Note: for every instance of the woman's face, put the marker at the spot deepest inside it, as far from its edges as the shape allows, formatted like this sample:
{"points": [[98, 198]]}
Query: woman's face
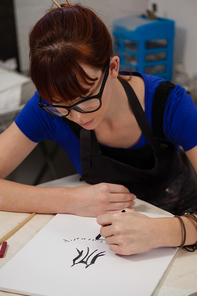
{"points": [[90, 121]]}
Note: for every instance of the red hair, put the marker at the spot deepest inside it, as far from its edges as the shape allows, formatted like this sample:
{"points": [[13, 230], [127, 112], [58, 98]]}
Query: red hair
{"points": [[60, 41]]}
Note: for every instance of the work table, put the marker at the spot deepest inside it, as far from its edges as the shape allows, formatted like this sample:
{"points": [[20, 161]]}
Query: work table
{"points": [[178, 280]]}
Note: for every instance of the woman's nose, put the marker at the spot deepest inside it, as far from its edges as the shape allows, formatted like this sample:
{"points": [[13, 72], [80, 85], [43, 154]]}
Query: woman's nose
{"points": [[75, 116]]}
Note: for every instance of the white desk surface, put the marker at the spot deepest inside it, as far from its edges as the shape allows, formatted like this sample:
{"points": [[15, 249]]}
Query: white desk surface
{"points": [[180, 278]]}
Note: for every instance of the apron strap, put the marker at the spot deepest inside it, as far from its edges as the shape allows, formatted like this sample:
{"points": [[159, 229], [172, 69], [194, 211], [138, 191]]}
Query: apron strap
{"points": [[159, 101], [89, 147], [139, 113], [85, 151], [95, 148]]}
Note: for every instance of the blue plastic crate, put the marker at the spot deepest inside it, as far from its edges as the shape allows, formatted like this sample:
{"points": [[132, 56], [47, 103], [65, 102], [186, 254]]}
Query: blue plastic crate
{"points": [[145, 45]]}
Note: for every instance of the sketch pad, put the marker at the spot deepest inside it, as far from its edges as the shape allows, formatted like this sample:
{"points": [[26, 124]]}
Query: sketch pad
{"points": [[65, 259]]}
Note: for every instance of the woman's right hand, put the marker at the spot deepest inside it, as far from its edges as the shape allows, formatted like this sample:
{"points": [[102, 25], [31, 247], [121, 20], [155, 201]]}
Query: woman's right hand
{"points": [[94, 200]]}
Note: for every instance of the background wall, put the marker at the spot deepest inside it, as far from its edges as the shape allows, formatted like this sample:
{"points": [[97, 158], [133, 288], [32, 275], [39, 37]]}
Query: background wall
{"points": [[26, 15], [182, 11], [29, 11]]}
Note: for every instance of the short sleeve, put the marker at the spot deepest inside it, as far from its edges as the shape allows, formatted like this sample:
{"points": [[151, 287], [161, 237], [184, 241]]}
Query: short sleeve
{"points": [[180, 119], [35, 123]]}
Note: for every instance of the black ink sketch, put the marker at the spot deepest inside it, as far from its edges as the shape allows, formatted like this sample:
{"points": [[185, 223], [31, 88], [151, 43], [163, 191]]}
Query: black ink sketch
{"points": [[83, 239], [88, 259]]}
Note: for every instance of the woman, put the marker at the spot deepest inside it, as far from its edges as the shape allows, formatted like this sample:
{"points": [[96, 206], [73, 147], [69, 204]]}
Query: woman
{"points": [[97, 116]]}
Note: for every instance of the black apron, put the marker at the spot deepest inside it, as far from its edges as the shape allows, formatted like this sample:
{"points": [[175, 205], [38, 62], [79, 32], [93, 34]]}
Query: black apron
{"points": [[157, 176]]}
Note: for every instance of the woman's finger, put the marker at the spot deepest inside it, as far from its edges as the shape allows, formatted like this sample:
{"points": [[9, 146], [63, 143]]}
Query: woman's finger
{"points": [[121, 197], [104, 219], [116, 188], [118, 206]]}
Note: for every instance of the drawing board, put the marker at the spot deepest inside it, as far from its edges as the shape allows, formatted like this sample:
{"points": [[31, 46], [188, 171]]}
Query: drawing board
{"points": [[65, 259]]}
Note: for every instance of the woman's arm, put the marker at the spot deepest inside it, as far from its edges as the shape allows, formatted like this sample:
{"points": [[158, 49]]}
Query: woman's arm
{"points": [[86, 200]]}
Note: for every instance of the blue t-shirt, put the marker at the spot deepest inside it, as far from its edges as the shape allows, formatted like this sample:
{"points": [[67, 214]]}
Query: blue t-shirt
{"points": [[179, 125]]}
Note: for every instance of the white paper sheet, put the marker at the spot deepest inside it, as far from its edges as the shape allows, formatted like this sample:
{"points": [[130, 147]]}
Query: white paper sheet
{"points": [[65, 259]]}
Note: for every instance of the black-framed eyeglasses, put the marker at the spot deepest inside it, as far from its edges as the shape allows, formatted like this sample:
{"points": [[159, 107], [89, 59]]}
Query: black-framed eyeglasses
{"points": [[88, 105]]}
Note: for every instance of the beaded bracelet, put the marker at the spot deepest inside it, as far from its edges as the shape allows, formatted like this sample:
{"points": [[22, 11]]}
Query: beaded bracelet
{"points": [[189, 248]]}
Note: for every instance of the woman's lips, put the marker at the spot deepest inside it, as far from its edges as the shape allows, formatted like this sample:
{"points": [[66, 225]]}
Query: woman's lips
{"points": [[87, 123]]}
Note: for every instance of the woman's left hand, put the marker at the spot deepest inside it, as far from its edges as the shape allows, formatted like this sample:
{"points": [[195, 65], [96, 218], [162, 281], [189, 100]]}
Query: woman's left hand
{"points": [[129, 232]]}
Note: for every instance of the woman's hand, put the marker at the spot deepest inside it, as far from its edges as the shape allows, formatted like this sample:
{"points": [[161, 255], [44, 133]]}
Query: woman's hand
{"points": [[130, 232], [94, 200]]}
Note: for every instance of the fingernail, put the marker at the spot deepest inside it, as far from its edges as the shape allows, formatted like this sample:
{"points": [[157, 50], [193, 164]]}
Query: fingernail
{"points": [[134, 197]]}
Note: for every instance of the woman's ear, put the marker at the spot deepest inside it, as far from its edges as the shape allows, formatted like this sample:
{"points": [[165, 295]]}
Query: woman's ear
{"points": [[114, 67]]}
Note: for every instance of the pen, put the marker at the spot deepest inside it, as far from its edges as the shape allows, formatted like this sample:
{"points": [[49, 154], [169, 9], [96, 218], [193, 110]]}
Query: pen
{"points": [[99, 236]]}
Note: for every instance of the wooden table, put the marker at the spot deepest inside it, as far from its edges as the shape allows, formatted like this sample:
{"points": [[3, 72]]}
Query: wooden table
{"points": [[180, 278]]}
